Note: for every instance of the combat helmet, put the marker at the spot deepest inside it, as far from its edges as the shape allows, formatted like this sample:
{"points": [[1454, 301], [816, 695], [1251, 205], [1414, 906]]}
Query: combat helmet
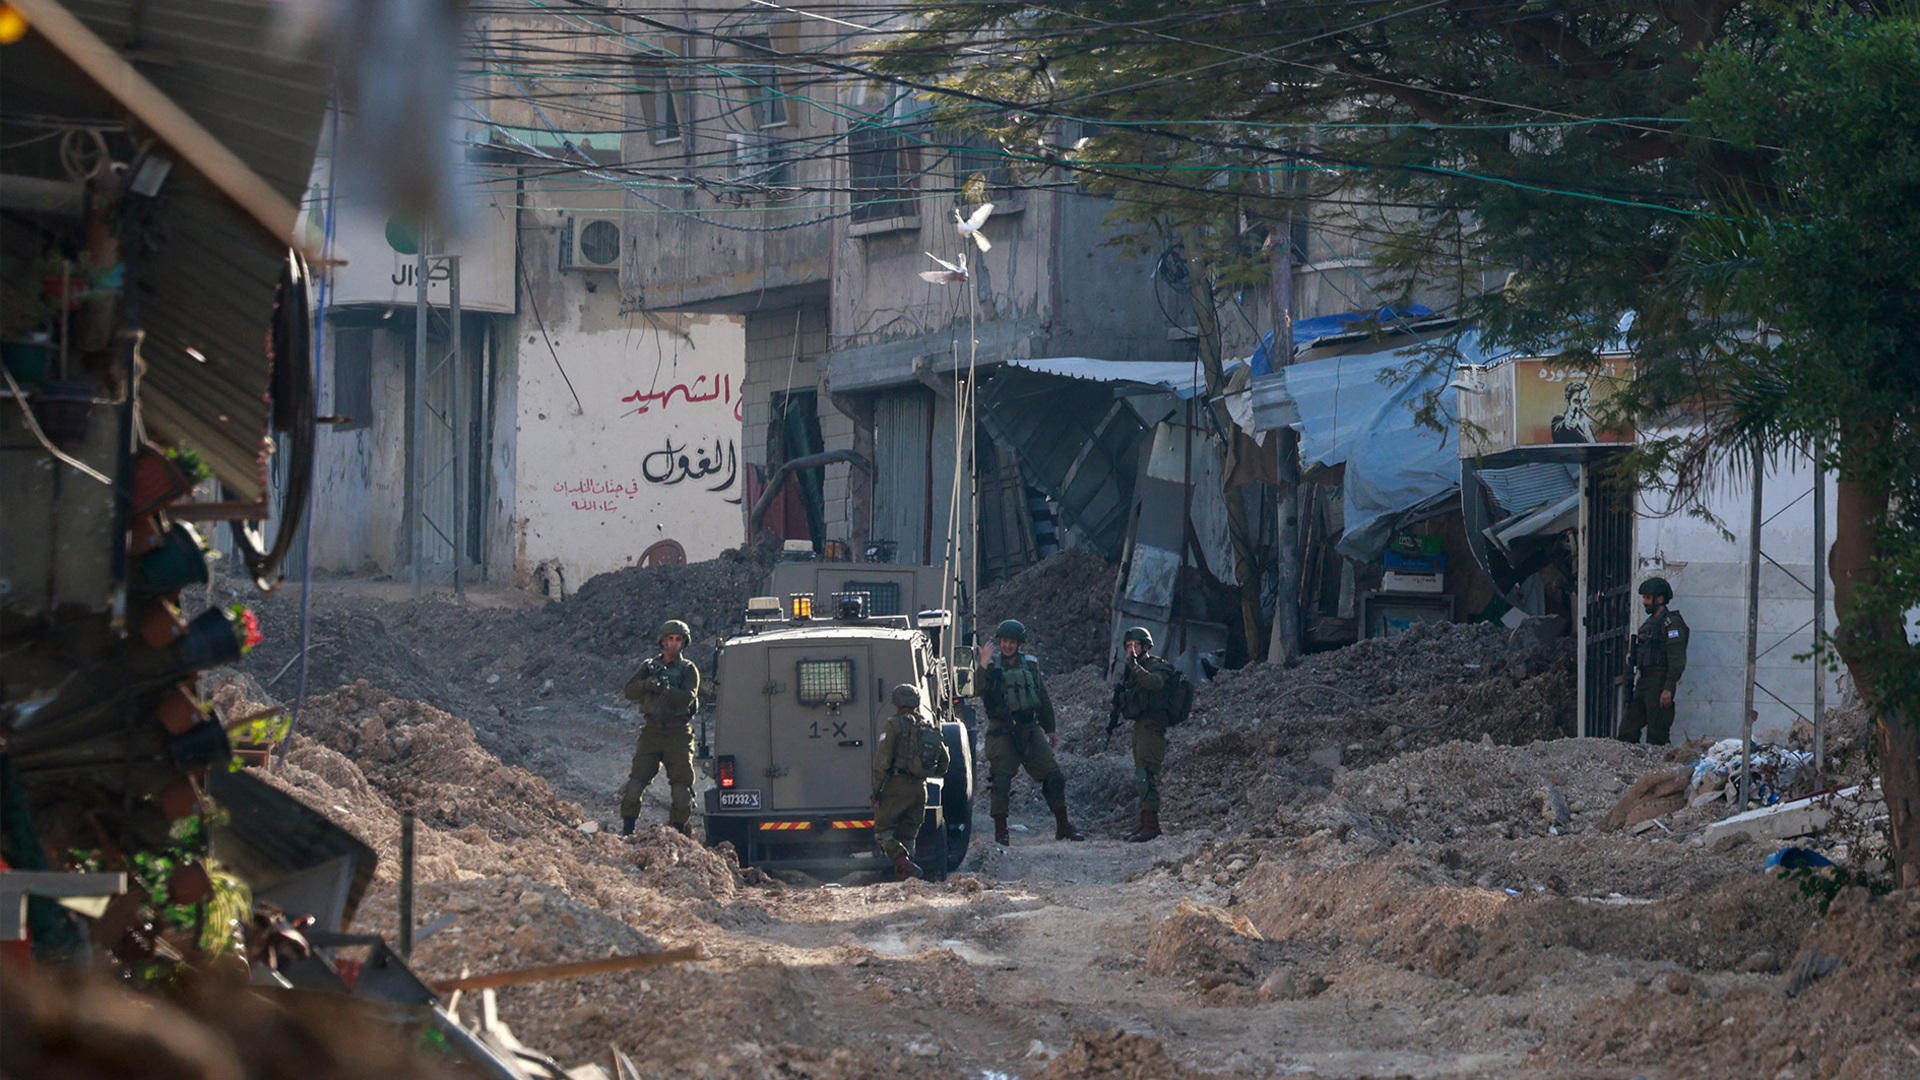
{"points": [[906, 696], [674, 626], [1656, 586], [1012, 628], [1138, 633]]}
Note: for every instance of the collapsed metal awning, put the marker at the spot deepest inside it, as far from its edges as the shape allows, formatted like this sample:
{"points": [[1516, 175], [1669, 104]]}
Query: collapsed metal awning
{"points": [[1077, 425], [205, 298]]}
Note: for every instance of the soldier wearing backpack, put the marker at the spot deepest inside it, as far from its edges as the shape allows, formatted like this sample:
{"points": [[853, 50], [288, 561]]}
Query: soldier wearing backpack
{"points": [[1020, 729], [1154, 695], [909, 751]]}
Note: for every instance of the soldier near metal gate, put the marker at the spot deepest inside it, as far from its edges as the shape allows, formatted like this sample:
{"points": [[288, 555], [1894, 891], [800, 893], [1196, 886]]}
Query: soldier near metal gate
{"points": [[667, 689], [1141, 697], [909, 751], [1659, 653], [1020, 729]]}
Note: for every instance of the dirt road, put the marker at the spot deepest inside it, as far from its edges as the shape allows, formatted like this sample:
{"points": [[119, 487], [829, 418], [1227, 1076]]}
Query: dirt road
{"points": [[1337, 897]]}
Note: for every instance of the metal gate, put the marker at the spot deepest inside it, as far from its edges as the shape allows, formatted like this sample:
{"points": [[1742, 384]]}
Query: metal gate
{"points": [[1608, 612], [902, 472]]}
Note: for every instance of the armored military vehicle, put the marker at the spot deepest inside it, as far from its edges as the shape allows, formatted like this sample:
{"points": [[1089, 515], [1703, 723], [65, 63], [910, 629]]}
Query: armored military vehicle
{"points": [[799, 703]]}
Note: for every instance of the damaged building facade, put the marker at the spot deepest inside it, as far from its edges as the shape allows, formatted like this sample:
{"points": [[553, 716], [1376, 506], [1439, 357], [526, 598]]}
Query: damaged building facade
{"points": [[569, 436]]}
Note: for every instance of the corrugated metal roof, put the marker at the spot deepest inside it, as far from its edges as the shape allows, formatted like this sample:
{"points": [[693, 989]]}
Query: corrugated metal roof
{"points": [[1524, 487], [1184, 379], [210, 286]]}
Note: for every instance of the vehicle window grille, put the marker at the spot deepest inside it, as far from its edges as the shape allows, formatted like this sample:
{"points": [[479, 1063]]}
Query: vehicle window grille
{"points": [[883, 597], [825, 682]]}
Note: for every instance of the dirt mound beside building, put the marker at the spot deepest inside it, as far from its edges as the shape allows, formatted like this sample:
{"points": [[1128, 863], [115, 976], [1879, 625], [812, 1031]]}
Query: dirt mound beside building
{"points": [[1066, 602], [1844, 1006]]}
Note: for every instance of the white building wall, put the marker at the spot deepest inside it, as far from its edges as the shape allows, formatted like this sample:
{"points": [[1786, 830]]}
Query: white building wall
{"points": [[651, 449], [1709, 576]]}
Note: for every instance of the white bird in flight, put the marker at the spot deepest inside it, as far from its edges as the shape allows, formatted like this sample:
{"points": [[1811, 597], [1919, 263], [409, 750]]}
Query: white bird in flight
{"points": [[949, 275], [970, 226]]}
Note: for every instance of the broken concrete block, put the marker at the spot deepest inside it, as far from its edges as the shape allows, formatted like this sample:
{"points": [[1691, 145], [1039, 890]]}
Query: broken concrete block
{"points": [[1552, 806], [1799, 817]]}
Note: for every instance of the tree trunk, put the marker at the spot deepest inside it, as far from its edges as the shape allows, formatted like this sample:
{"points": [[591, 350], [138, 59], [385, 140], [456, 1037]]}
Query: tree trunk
{"points": [[1856, 533], [1285, 643]]}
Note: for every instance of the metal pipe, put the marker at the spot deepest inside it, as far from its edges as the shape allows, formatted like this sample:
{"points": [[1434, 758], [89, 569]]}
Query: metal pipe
{"points": [[1819, 614], [1753, 629], [418, 472], [456, 415], [405, 948]]}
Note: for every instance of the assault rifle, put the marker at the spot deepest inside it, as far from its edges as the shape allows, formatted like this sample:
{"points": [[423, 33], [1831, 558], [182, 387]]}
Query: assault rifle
{"points": [[1113, 714]]}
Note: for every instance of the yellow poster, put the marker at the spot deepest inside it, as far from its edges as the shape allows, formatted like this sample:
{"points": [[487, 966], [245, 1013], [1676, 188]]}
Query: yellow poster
{"points": [[1554, 403]]}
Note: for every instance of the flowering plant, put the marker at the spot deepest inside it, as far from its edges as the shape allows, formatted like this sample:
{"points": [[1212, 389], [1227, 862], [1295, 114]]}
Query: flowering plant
{"points": [[248, 624]]}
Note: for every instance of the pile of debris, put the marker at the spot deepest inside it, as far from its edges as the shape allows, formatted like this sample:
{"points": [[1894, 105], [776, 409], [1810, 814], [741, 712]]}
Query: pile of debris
{"points": [[1269, 735], [1066, 603]]}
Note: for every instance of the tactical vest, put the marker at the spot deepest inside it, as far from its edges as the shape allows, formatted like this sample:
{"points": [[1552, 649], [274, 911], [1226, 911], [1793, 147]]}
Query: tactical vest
{"points": [[1020, 687], [1650, 647]]}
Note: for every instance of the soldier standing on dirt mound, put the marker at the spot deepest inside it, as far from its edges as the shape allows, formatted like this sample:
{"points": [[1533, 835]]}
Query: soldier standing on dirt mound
{"points": [[1659, 657], [1142, 698], [667, 688], [1020, 729], [908, 751]]}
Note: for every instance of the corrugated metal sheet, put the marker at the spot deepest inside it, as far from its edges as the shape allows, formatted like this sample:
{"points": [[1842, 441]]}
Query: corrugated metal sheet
{"points": [[210, 286], [1525, 487], [1184, 379], [902, 445]]}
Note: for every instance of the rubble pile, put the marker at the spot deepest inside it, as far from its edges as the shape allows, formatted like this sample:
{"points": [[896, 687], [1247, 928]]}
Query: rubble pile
{"points": [[1066, 603], [1849, 1007], [594, 638]]}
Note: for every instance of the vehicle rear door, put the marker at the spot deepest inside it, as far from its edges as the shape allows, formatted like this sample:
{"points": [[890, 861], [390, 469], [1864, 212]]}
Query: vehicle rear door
{"points": [[821, 725]]}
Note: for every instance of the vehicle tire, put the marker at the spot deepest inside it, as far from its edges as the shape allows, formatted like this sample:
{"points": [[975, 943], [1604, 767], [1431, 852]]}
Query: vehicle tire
{"points": [[956, 800]]}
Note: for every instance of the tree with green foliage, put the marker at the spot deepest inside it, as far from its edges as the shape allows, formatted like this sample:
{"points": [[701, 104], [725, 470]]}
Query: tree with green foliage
{"points": [[1820, 246], [1700, 170]]}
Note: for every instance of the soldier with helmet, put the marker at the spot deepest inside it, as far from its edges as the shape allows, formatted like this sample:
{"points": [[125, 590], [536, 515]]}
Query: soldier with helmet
{"points": [[1020, 729], [908, 752], [1141, 697], [667, 689], [1659, 654]]}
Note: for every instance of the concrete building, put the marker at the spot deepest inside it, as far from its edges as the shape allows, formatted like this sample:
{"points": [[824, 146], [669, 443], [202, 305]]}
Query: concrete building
{"points": [[572, 435]]}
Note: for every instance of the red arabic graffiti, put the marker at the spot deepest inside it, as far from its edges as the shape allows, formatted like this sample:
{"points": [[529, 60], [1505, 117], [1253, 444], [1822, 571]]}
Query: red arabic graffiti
{"points": [[717, 388]]}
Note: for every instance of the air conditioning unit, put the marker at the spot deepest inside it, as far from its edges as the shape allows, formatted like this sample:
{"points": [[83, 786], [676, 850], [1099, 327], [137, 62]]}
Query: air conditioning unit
{"points": [[590, 243], [757, 159]]}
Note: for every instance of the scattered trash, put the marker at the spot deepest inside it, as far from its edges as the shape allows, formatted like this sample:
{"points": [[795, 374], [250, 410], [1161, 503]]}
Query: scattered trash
{"points": [[1797, 858], [1776, 769]]}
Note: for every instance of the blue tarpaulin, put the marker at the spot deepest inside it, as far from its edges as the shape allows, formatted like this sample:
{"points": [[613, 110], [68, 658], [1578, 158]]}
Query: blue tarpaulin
{"points": [[1307, 331], [1358, 410]]}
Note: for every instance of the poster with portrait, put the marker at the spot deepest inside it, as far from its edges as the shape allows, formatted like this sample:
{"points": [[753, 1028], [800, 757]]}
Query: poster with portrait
{"points": [[1559, 404]]}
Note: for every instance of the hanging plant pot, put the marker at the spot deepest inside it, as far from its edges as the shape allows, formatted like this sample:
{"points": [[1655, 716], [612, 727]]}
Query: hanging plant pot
{"points": [[64, 410], [189, 883], [177, 710], [199, 746], [178, 799], [210, 641], [160, 625], [179, 561], [156, 481]]}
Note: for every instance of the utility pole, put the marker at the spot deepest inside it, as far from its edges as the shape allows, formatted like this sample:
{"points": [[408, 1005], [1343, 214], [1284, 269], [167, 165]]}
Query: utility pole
{"points": [[1284, 645], [1753, 629]]}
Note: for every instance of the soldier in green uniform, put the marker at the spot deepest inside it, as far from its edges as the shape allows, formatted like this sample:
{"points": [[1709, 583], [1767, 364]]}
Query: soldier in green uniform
{"points": [[909, 751], [667, 689], [1659, 656], [1020, 729], [1141, 698]]}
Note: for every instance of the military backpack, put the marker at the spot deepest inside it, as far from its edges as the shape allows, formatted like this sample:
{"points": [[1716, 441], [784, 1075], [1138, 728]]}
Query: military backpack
{"points": [[1179, 696], [920, 749]]}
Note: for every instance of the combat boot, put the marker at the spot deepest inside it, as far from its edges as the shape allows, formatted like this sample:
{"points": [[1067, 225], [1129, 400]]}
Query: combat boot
{"points": [[626, 826], [1148, 830], [904, 868], [1000, 829], [684, 828], [1062, 828]]}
